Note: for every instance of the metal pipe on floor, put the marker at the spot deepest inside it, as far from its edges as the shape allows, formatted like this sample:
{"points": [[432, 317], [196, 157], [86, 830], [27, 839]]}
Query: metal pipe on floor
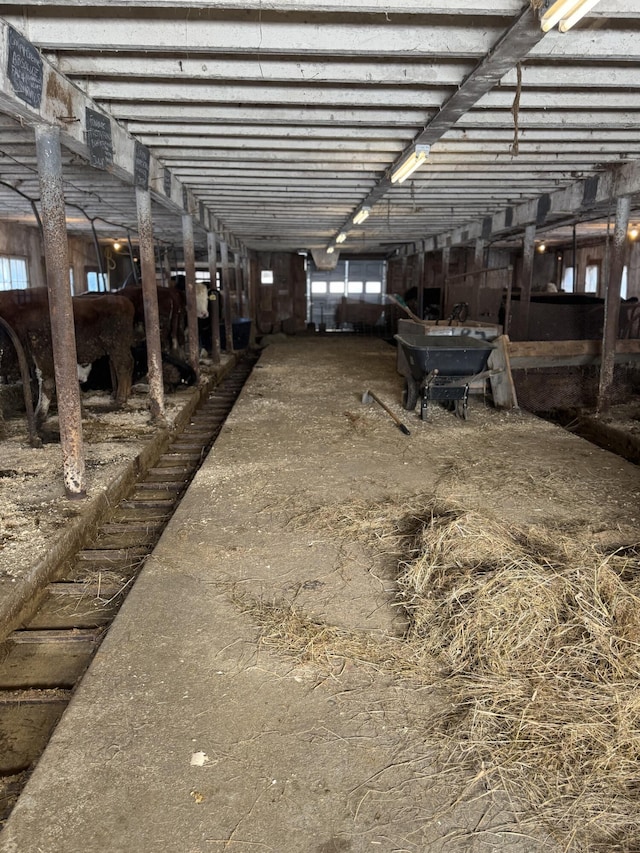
{"points": [[150, 301], [190, 292], [63, 336]]}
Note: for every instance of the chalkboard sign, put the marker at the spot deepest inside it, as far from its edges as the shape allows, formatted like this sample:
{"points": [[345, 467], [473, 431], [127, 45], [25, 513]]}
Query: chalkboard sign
{"points": [[167, 183], [24, 69], [99, 139], [141, 166]]}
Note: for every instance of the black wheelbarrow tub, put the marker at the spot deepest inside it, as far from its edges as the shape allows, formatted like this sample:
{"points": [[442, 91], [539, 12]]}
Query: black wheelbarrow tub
{"points": [[449, 355]]}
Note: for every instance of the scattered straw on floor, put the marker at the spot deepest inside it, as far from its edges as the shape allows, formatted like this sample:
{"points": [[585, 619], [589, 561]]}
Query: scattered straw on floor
{"points": [[535, 636], [541, 640]]}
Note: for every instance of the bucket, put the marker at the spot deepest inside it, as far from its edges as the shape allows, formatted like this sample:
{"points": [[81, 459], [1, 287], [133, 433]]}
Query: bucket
{"points": [[241, 331]]}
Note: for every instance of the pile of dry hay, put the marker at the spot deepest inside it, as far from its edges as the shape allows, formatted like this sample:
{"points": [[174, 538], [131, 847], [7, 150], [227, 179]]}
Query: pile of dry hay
{"points": [[540, 640], [535, 639]]}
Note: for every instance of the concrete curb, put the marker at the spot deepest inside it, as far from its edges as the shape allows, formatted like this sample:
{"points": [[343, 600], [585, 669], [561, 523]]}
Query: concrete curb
{"points": [[22, 600]]}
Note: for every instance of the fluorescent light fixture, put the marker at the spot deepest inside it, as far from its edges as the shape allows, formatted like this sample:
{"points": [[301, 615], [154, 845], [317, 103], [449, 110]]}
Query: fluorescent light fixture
{"points": [[342, 236], [410, 164], [330, 250], [567, 12], [361, 215]]}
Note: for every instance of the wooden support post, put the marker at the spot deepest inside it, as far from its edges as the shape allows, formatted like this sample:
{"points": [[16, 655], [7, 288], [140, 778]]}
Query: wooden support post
{"points": [[214, 302], [190, 292], [63, 336], [528, 254], [618, 260], [150, 301]]}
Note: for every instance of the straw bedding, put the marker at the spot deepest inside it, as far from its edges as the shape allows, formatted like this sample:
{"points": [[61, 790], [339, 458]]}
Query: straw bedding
{"points": [[533, 636], [540, 640]]}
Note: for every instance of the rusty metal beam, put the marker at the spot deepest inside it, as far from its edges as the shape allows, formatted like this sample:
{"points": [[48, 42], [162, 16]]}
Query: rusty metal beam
{"points": [[618, 259], [190, 292], [150, 300], [63, 336]]}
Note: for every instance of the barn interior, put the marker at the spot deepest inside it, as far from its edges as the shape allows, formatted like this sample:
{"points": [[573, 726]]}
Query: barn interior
{"points": [[330, 623]]}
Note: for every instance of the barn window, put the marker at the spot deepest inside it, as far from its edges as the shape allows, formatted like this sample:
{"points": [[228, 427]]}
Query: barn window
{"points": [[567, 280], [624, 283], [96, 281], [591, 276], [266, 276], [336, 287], [13, 273], [355, 287], [373, 287], [318, 287]]}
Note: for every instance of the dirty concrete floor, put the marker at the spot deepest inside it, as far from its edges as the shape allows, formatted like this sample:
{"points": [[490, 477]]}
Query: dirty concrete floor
{"points": [[189, 735]]}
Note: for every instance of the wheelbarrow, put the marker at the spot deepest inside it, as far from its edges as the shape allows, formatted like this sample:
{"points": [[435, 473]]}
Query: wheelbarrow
{"points": [[441, 369]]}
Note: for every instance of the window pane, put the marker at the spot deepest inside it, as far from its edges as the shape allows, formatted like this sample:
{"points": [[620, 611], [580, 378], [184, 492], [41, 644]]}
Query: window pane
{"points": [[336, 287], [96, 282], [318, 287], [591, 279], [567, 280], [266, 277], [13, 273], [623, 284], [373, 287], [356, 287], [5, 274]]}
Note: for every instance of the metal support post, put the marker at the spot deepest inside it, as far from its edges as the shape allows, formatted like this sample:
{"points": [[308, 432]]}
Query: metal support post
{"points": [[419, 279], [478, 264], [214, 302], [237, 267], [190, 289], [619, 257], [63, 337], [226, 295], [150, 301], [528, 253]]}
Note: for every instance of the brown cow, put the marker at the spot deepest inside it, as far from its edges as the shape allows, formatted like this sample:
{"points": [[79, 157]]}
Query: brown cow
{"points": [[103, 326], [171, 310]]}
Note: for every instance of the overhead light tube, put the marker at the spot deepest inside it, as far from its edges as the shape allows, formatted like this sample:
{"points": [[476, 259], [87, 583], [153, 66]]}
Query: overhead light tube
{"points": [[567, 12], [342, 236], [410, 164], [361, 215]]}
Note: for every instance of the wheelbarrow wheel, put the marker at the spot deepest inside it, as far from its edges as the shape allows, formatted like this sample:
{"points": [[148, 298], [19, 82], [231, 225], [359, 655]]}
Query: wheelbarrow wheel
{"points": [[410, 395]]}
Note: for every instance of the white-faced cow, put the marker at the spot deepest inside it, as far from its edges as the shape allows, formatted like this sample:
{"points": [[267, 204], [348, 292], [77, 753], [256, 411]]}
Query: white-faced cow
{"points": [[103, 327]]}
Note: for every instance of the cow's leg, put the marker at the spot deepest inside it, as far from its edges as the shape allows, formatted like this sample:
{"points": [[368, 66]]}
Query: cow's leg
{"points": [[121, 376], [46, 389]]}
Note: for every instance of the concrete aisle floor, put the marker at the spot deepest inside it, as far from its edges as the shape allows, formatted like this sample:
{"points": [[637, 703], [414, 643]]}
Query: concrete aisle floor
{"points": [[188, 735]]}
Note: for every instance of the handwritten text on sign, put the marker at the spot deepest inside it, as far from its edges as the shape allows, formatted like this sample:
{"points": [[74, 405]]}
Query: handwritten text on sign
{"points": [[24, 69]]}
